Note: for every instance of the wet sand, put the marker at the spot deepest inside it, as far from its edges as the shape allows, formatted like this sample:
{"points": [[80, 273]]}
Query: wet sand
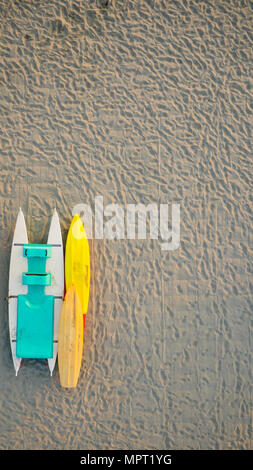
{"points": [[140, 102]]}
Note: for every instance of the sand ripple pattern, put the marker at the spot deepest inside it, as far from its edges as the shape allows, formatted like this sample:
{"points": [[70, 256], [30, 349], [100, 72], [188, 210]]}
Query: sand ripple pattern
{"points": [[142, 101]]}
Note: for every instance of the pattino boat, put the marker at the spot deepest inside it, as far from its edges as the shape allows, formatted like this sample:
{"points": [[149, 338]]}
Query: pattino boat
{"points": [[36, 289]]}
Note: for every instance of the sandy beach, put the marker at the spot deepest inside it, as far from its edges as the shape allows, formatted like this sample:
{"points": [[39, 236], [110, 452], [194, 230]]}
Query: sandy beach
{"points": [[146, 101]]}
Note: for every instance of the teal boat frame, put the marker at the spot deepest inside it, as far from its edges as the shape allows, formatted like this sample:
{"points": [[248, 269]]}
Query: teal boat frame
{"points": [[35, 312]]}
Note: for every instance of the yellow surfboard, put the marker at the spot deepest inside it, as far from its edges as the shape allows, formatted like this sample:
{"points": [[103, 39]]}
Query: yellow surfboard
{"points": [[77, 261], [70, 339]]}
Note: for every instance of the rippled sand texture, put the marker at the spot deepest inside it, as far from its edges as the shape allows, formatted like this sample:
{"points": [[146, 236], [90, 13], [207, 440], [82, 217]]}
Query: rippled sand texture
{"points": [[145, 101]]}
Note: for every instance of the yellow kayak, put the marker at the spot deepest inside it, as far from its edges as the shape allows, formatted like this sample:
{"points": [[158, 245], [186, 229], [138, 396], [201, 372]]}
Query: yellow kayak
{"points": [[70, 339], [77, 262]]}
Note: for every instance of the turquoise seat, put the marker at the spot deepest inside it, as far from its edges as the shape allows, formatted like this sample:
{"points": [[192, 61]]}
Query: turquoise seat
{"points": [[35, 313], [35, 327]]}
